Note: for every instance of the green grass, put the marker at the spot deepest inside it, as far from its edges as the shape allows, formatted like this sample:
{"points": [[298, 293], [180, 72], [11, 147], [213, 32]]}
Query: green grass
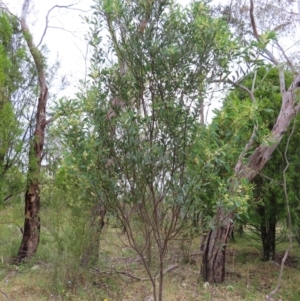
{"points": [[55, 274]]}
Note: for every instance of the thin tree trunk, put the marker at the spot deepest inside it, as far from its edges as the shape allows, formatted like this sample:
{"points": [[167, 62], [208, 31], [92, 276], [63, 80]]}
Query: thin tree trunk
{"points": [[161, 280], [31, 233]]}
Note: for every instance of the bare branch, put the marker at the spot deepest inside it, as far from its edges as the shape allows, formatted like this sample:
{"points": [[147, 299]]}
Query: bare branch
{"points": [[253, 24], [257, 36], [69, 31], [6, 296], [285, 56], [266, 51], [246, 149], [169, 269], [84, 56], [50, 120], [4, 7], [250, 93], [33, 49], [70, 6]]}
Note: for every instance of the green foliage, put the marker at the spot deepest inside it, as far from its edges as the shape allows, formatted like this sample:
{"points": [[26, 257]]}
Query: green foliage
{"points": [[12, 58], [155, 121]]}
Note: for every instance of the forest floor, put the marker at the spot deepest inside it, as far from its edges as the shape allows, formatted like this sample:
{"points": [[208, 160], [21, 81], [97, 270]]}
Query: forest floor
{"points": [[53, 275]]}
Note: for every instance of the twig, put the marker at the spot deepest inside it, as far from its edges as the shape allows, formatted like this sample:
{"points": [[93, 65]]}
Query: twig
{"points": [[285, 56], [6, 296], [257, 36], [84, 56], [171, 268], [266, 51], [4, 7], [47, 18], [243, 88]]}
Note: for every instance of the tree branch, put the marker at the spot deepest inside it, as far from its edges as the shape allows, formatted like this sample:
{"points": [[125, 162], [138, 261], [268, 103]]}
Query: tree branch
{"points": [[70, 6], [171, 268], [250, 93], [36, 54], [285, 56], [257, 36], [266, 51], [249, 144], [4, 7]]}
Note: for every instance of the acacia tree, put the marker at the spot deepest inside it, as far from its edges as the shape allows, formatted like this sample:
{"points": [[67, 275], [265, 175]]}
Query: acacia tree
{"points": [[249, 163]]}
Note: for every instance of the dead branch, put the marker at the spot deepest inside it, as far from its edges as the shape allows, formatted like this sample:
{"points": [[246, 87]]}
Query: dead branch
{"points": [[70, 6], [171, 268], [285, 56], [4, 7], [270, 55], [6, 296]]}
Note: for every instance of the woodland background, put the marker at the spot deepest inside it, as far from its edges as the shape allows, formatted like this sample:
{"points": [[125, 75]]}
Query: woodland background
{"points": [[126, 190]]}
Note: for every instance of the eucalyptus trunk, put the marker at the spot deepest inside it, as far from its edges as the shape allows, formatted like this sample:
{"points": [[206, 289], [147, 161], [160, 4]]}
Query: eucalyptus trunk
{"points": [[31, 231]]}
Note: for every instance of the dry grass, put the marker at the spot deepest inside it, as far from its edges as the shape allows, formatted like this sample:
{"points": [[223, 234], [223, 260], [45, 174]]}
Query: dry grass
{"points": [[247, 278]]}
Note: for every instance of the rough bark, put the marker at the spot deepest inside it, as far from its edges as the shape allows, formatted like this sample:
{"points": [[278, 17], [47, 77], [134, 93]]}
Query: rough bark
{"points": [[31, 232], [214, 251]]}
